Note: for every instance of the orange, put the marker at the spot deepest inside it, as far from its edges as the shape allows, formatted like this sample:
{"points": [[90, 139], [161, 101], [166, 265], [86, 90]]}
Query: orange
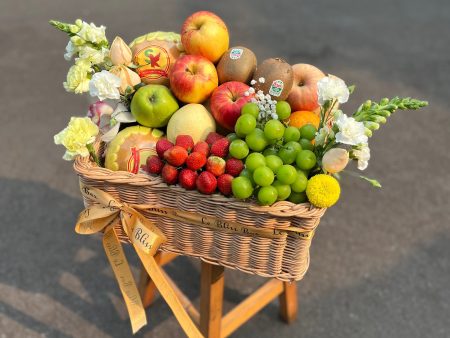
{"points": [[300, 118]]}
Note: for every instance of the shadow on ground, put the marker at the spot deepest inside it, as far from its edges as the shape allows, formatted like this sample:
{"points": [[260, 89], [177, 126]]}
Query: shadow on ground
{"points": [[52, 287]]}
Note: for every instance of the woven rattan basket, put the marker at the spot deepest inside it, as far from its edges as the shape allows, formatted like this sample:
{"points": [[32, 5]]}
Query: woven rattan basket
{"points": [[284, 258]]}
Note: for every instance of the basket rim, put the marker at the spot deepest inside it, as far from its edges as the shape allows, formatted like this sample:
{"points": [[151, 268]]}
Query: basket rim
{"points": [[88, 169]]}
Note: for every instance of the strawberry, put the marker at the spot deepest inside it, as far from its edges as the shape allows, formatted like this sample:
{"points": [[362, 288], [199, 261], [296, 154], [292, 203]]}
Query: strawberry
{"points": [[213, 137], [224, 184], [215, 165], [162, 145], [176, 156], [196, 160], [154, 164], [202, 147], [187, 178], [185, 141], [220, 147], [206, 183], [169, 174], [234, 167]]}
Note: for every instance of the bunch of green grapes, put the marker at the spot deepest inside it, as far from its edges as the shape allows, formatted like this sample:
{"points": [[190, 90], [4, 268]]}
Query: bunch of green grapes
{"points": [[277, 157]]}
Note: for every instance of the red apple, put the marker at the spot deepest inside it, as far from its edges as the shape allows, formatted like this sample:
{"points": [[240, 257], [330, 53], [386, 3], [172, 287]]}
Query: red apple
{"points": [[303, 95], [226, 103], [193, 78], [204, 33]]}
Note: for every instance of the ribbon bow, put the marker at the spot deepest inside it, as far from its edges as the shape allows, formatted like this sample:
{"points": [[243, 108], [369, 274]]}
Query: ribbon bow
{"points": [[104, 215]]}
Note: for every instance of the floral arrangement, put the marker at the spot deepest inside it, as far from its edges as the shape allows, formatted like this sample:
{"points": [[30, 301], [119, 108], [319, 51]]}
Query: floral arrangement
{"points": [[270, 131]]}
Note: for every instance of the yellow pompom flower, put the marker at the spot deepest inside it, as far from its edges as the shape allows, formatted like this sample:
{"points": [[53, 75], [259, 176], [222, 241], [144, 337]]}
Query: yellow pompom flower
{"points": [[323, 190], [77, 137]]}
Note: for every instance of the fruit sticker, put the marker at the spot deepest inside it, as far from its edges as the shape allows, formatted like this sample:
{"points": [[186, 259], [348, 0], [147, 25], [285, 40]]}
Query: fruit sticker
{"points": [[276, 88], [153, 62], [236, 53]]}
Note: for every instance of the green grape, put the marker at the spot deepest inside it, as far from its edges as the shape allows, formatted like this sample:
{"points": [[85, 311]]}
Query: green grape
{"points": [[297, 197], [274, 130], [251, 109], [287, 174], [288, 152], [284, 190], [306, 144], [256, 140], [267, 195], [238, 149], [232, 136], [291, 134], [245, 124], [283, 110], [270, 151], [241, 187], [306, 160], [300, 182], [248, 174], [254, 161], [263, 176], [274, 162], [308, 131]]}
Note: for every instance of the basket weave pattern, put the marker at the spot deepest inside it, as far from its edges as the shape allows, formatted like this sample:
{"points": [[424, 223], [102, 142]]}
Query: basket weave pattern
{"points": [[284, 258]]}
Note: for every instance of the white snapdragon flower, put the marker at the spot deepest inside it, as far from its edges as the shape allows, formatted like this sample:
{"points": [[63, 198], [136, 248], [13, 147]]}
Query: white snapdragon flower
{"points": [[71, 50], [350, 131], [251, 90], [323, 133], [105, 85], [329, 88], [93, 55], [92, 33], [261, 80], [362, 154], [253, 82]]}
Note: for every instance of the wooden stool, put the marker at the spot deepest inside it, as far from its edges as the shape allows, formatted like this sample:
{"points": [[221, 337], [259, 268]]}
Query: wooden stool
{"points": [[210, 320]]}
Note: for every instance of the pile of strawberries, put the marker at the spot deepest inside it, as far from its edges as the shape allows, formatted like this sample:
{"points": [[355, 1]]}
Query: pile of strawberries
{"points": [[203, 166]]}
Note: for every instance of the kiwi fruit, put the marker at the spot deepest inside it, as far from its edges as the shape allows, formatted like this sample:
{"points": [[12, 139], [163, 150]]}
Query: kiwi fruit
{"points": [[278, 78], [237, 64]]}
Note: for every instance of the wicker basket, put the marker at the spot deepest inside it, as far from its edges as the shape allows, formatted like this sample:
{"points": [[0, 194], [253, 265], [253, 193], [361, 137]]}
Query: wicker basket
{"points": [[286, 258]]}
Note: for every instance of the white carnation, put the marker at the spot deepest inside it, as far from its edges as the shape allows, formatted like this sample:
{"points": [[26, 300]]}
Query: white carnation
{"points": [[105, 85], [362, 154], [350, 131], [329, 88]]}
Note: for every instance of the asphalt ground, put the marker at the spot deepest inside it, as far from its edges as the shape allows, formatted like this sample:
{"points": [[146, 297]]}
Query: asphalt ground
{"points": [[380, 260]]}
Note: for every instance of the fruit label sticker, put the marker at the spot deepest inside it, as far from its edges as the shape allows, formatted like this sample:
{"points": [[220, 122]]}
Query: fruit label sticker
{"points": [[276, 88], [236, 53], [153, 62]]}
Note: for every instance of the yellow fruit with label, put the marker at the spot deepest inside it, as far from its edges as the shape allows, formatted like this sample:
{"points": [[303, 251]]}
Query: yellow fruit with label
{"points": [[154, 54]]}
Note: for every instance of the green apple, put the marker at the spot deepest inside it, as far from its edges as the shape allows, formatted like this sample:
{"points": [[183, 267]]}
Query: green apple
{"points": [[153, 105]]}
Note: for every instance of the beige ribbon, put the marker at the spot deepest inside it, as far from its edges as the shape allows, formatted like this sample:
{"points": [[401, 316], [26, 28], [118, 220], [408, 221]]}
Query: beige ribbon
{"points": [[103, 215]]}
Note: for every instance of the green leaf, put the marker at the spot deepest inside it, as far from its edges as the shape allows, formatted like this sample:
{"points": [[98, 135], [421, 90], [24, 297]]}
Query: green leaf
{"points": [[372, 181], [351, 89]]}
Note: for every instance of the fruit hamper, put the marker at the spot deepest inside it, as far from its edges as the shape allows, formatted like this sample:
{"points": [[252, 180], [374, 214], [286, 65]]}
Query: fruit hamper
{"points": [[281, 250], [199, 149]]}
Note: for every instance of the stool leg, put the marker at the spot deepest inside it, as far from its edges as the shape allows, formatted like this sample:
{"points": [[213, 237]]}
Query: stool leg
{"points": [[146, 286], [211, 298], [288, 302]]}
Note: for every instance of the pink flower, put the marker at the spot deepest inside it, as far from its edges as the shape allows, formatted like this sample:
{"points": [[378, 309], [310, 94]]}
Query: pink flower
{"points": [[97, 109]]}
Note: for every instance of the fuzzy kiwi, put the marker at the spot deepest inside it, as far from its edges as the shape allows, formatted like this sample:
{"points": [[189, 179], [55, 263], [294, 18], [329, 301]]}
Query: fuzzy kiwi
{"points": [[237, 64], [278, 78]]}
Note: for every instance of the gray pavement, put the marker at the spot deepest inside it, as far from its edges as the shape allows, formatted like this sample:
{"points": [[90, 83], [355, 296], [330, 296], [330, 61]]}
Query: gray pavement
{"points": [[381, 258]]}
